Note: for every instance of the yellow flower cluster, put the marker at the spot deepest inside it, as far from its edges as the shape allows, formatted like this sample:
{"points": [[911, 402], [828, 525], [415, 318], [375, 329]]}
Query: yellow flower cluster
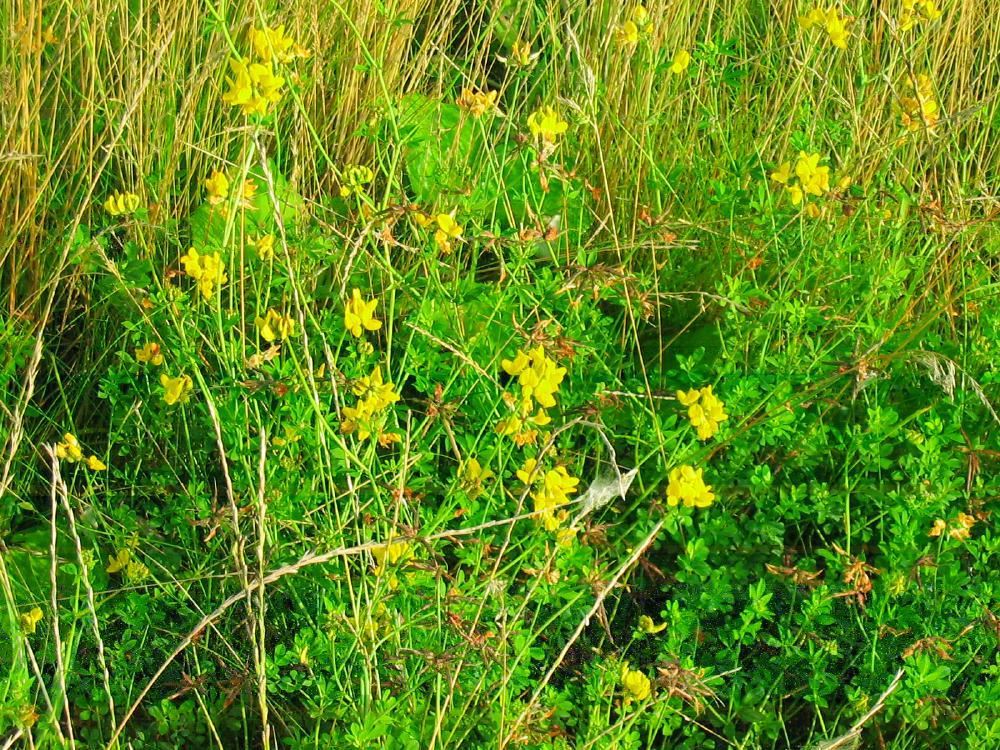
{"points": [[813, 179], [917, 11], [539, 378], [119, 204], [275, 325], [360, 314], [634, 28], [546, 124], [149, 354], [473, 476], [255, 86], [920, 108], [29, 620], [687, 487], [551, 491], [831, 21], [264, 245], [537, 374], [636, 685], [681, 61], [69, 450], [704, 409], [374, 397], [217, 187], [959, 530], [176, 390], [207, 270], [274, 45], [356, 177], [477, 103], [125, 561], [447, 230]]}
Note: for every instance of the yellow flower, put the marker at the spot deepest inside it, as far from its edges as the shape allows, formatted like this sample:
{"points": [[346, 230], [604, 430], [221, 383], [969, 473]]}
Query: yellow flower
{"points": [[376, 396], [29, 620], [264, 246], [119, 561], [547, 124], [782, 174], [705, 410], [815, 180], [538, 376], [795, 194], [681, 61], [553, 490], [207, 270], [814, 17], [359, 314], [274, 325], [448, 230], [149, 353], [96, 464], [477, 103], [473, 476], [356, 177], [375, 390], [391, 554], [636, 685], [248, 192], [627, 34], [920, 109], [836, 28], [640, 16], [176, 390], [274, 45], [118, 204], [69, 449], [646, 625], [253, 87], [687, 398], [217, 187], [521, 54], [687, 487]]}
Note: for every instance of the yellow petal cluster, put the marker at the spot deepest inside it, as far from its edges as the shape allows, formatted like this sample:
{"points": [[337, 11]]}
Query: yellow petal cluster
{"points": [[959, 529], [207, 270], [360, 314], [681, 61], [917, 11], [374, 397], [537, 374], [919, 107], [149, 354], [687, 487], [119, 204], [356, 177], [552, 490], [704, 409], [635, 684], [275, 325], [447, 230], [253, 87], [217, 187], [546, 124], [70, 450], [477, 103], [274, 45], [176, 390], [831, 21], [810, 177], [473, 476]]}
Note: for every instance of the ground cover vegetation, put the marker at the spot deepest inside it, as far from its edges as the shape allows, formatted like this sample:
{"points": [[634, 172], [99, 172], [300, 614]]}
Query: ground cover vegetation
{"points": [[478, 373]]}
